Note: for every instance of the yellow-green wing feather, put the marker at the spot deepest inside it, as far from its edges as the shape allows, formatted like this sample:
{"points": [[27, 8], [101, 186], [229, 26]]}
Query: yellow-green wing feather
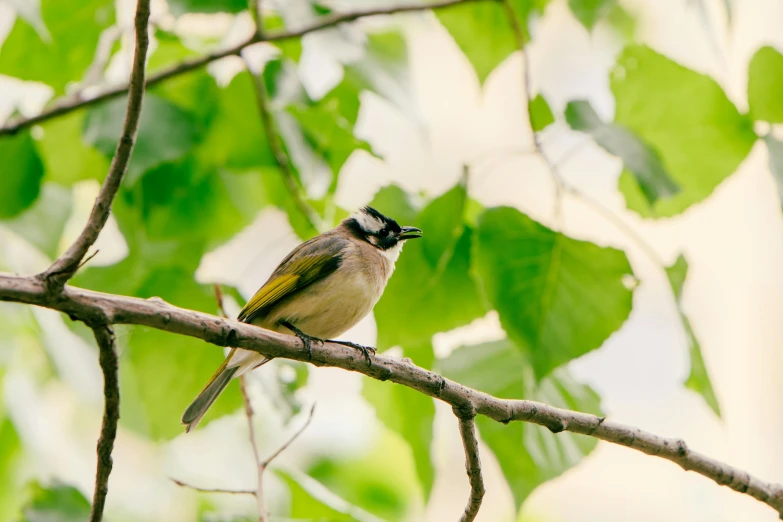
{"points": [[293, 274]]}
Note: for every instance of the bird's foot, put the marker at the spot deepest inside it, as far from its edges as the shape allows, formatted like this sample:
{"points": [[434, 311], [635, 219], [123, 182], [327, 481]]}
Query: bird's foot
{"points": [[307, 340], [366, 350]]}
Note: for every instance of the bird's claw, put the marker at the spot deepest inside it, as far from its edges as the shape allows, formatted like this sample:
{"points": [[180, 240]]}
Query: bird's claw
{"points": [[307, 340], [366, 350]]}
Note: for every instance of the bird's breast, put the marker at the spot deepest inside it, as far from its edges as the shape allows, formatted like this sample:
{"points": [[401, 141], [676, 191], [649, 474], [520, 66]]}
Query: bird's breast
{"points": [[329, 307]]}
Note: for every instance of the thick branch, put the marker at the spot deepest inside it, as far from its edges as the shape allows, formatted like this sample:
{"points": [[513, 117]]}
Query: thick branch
{"points": [[111, 414], [97, 307], [70, 105], [67, 264], [467, 430]]}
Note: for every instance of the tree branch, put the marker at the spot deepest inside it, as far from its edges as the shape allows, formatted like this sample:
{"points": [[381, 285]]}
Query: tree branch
{"points": [[467, 430], [111, 414], [66, 265], [70, 105], [214, 490], [96, 307]]}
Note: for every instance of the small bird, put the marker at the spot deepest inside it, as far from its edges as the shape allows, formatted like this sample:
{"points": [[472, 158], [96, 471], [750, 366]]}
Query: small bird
{"points": [[321, 289]]}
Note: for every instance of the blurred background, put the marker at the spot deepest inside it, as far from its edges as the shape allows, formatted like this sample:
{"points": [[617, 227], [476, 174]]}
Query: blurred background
{"points": [[633, 270]]}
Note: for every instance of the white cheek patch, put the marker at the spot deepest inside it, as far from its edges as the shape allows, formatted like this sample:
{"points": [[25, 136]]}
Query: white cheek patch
{"points": [[368, 223]]}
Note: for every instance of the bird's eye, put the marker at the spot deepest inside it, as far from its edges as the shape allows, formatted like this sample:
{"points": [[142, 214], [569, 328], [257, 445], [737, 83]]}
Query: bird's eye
{"points": [[384, 232]]}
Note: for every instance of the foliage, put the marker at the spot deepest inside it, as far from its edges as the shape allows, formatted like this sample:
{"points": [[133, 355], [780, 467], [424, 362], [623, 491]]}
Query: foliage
{"points": [[203, 169], [59, 49], [57, 502], [558, 298], [699, 135], [529, 455]]}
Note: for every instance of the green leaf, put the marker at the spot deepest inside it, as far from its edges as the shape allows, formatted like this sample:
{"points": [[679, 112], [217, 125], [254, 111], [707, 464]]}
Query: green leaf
{"points": [[290, 48], [55, 503], [529, 455], [66, 158], [166, 132], [775, 151], [236, 137], [410, 414], [62, 55], [765, 83], [390, 495], [540, 113], [328, 124], [640, 159], [308, 502], [483, 30], [42, 224], [558, 298], [589, 12], [432, 289], [21, 171], [685, 116], [396, 202], [698, 380], [180, 7]]}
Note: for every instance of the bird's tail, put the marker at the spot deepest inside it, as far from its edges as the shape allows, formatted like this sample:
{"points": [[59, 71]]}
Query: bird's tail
{"points": [[206, 398]]}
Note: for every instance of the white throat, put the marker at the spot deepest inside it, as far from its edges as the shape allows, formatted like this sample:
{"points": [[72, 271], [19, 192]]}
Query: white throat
{"points": [[393, 253]]}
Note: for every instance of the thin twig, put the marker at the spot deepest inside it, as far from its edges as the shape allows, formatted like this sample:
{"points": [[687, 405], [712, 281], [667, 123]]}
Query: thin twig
{"points": [[291, 439], [259, 492], [262, 465], [249, 414], [325, 22], [66, 265], [211, 490], [111, 414], [467, 430], [93, 307], [528, 91], [281, 157]]}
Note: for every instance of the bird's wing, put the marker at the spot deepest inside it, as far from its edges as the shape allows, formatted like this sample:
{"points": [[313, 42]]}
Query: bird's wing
{"points": [[309, 262]]}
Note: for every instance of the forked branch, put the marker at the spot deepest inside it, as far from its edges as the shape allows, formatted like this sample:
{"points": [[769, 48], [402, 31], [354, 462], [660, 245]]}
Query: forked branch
{"points": [[90, 306], [66, 265]]}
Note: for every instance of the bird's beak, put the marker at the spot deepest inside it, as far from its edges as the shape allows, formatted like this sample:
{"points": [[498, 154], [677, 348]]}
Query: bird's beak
{"points": [[409, 233]]}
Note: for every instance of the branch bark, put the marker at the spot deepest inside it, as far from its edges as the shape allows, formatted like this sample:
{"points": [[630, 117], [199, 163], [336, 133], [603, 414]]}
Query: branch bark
{"points": [[96, 307], [66, 265], [111, 415], [69, 105], [467, 430]]}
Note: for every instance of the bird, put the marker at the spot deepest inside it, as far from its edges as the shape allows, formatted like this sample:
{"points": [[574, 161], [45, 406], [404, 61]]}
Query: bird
{"points": [[322, 288]]}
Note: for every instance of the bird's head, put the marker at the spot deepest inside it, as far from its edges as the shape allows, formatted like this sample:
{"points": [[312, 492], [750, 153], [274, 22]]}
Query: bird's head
{"points": [[380, 231]]}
